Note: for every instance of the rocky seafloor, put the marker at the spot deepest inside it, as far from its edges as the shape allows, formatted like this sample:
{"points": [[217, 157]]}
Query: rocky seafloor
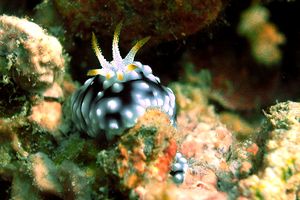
{"points": [[232, 65]]}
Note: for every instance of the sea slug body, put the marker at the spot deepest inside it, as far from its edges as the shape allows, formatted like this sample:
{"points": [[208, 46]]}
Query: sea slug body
{"points": [[179, 168], [119, 93]]}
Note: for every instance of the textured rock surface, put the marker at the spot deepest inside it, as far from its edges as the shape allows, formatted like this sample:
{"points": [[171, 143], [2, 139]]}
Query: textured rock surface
{"points": [[143, 154], [31, 62], [162, 20], [43, 155], [278, 177], [33, 59]]}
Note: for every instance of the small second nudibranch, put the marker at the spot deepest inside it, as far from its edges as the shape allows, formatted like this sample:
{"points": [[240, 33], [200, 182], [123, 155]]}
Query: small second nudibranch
{"points": [[119, 93]]}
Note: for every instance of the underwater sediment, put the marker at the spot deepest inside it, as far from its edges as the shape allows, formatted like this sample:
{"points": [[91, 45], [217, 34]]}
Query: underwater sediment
{"points": [[198, 125]]}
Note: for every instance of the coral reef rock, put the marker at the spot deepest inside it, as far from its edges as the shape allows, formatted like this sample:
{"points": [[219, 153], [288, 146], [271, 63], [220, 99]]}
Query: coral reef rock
{"points": [[143, 154], [162, 20], [278, 177], [29, 57]]}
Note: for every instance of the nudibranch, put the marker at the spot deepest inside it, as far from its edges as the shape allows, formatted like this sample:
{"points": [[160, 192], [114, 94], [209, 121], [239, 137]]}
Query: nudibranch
{"points": [[119, 93], [179, 168]]}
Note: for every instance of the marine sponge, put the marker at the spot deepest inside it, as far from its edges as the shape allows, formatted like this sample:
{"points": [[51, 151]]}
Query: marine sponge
{"points": [[29, 56]]}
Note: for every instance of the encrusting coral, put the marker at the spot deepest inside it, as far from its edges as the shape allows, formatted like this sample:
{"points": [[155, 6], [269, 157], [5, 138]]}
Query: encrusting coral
{"points": [[198, 134], [160, 155], [30, 57], [143, 154], [45, 174], [278, 177], [69, 165], [32, 67]]}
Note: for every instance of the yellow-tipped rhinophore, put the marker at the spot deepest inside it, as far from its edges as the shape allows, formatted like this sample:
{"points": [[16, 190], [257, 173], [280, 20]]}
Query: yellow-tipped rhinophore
{"points": [[95, 46], [115, 46], [130, 56], [139, 44], [97, 50]]}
